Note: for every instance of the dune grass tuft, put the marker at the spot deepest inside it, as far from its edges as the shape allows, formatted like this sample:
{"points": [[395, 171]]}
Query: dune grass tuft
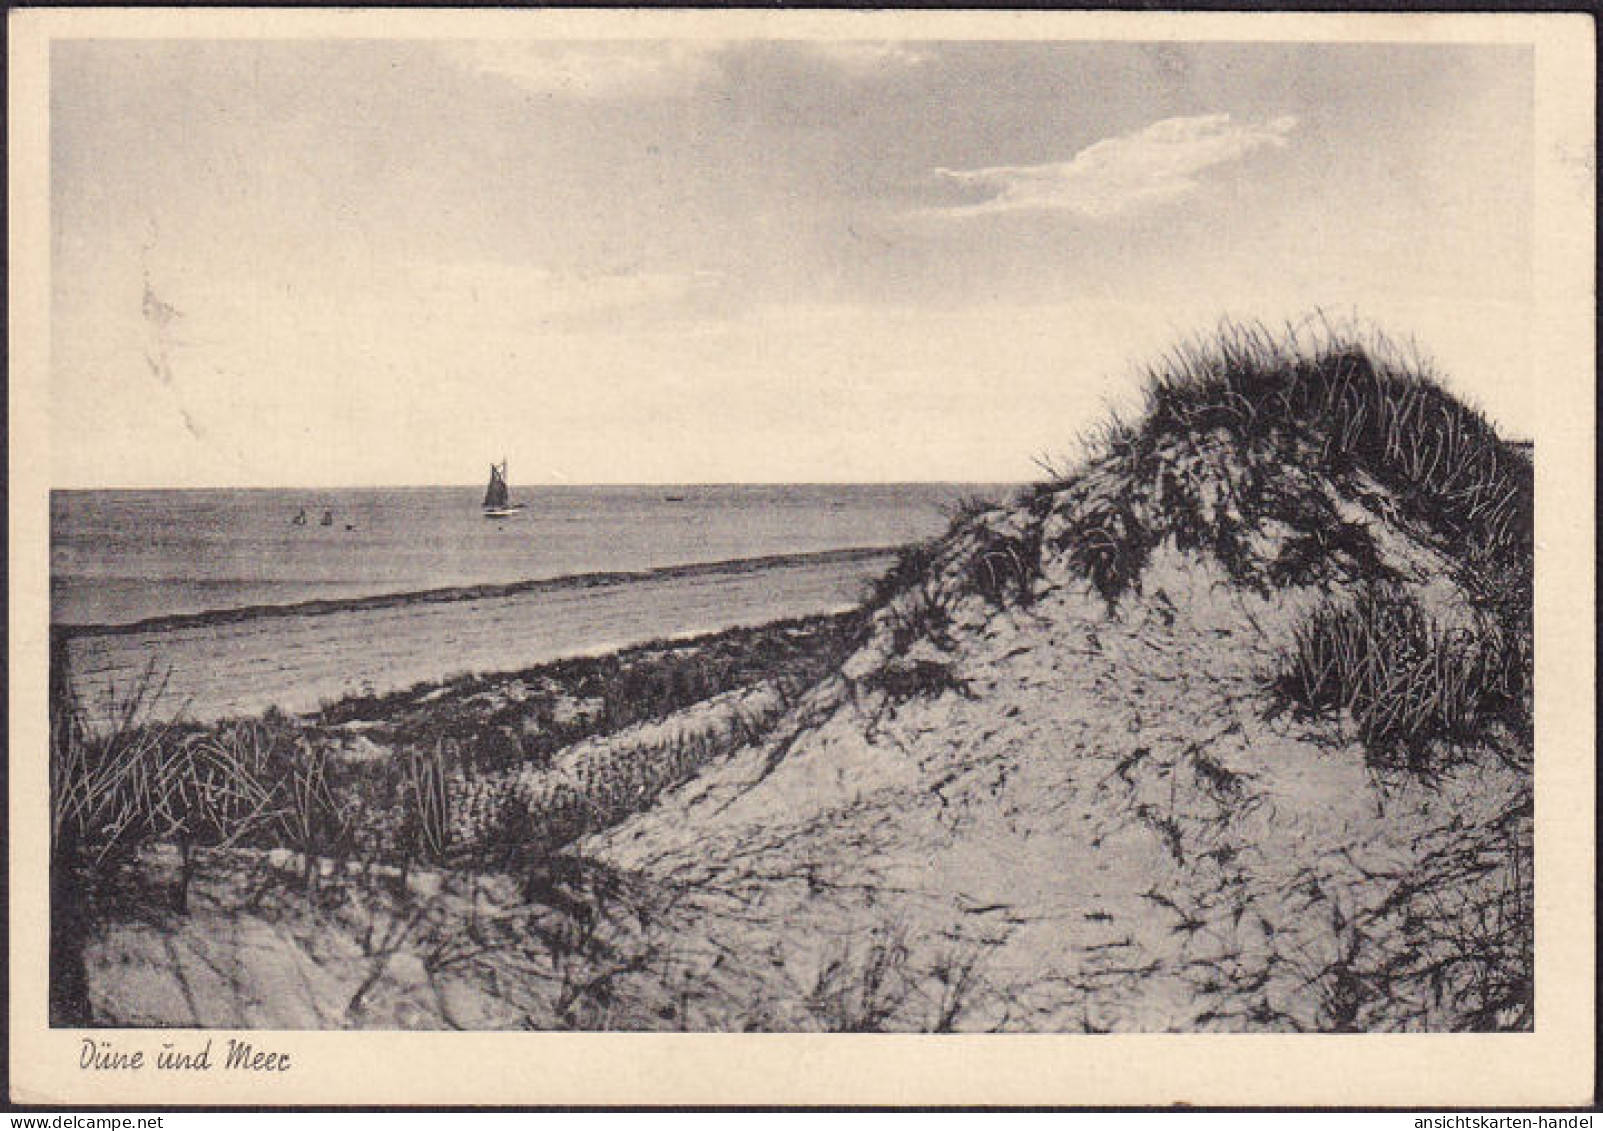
{"points": [[1004, 564], [1414, 688], [913, 566], [1249, 427]]}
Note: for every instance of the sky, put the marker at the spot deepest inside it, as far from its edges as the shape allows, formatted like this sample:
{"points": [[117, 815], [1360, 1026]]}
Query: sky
{"points": [[338, 262]]}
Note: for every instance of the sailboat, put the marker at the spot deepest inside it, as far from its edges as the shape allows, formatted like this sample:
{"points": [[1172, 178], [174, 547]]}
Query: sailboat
{"points": [[496, 504]]}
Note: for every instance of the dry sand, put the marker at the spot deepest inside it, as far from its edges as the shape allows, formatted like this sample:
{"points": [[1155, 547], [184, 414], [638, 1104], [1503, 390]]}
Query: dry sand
{"points": [[224, 666]]}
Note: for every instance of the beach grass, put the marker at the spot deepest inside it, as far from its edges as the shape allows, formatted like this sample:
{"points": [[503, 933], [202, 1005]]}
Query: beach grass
{"points": [[457, 775], [1416, 689], [464, 773]]}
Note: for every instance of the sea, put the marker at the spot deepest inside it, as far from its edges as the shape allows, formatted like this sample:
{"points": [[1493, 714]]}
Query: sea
{"points": [[241, 606], [118, 557]]}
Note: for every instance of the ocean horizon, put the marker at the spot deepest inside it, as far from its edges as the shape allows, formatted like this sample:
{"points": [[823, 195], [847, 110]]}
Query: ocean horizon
{"points": [[122, 556]]}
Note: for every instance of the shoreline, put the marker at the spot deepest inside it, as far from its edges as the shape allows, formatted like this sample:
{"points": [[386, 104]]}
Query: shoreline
{"points": [[324, 606], [298, 657]]}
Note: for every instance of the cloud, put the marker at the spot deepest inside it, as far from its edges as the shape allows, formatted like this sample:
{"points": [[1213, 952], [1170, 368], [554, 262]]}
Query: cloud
{"points": [[621, 69], [861, 56], [1117, 175], [596, 70]]}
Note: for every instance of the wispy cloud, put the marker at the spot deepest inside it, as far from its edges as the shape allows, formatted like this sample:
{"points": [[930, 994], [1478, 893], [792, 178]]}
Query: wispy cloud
{"points": [[868, 56], [1153, 166], [622, 69], [594, 70]]}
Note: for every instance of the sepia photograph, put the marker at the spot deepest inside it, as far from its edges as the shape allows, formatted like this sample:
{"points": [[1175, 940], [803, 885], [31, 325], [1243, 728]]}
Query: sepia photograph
{"points": [[785, 527]]}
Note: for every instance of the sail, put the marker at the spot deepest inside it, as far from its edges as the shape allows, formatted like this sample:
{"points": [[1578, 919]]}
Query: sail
{"points": [[495, 495]]}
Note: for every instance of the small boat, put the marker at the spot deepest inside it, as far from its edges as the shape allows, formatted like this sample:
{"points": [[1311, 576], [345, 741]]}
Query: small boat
{"points": [[327, 519], [299, 519], [497, 500], [673, 498]]}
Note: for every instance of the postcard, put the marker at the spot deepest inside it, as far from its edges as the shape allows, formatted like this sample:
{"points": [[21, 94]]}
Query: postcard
{"points": [[877, 558]]}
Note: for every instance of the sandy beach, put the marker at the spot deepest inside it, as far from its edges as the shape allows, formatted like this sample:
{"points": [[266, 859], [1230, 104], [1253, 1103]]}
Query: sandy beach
{"points": [[294, 658]]}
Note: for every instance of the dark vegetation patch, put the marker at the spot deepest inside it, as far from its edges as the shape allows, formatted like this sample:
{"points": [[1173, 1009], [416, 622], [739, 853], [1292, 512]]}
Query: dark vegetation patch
{"points": [[1249, 431], [861, 990], [1417, 691], [1110, 544], [503, 819], [1005, 563], [922, 613], [986, 549], [902, 679], [914, 566], [911, 597], [601, 694]]}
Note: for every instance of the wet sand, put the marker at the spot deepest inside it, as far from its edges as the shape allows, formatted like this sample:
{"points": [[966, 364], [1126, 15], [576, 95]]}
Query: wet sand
{"points": [[295, 657]]}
